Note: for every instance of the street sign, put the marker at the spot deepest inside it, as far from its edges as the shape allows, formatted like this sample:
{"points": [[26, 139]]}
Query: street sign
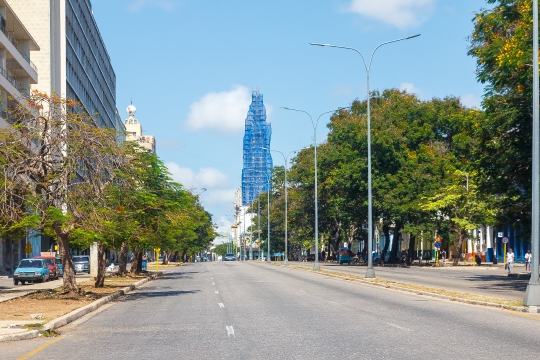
{"points": [[437, 244], [234, 227], [500, 234], [505, 240]]}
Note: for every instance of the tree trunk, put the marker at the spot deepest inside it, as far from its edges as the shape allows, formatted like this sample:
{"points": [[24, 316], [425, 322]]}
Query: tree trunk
{"points": [[395, 244], [122, 264], [102, 266], [135, 263], [410, 254], [165, 258], [69, 281]]}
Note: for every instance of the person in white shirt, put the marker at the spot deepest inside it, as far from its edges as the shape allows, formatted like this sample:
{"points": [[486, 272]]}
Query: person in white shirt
{"points": [[528, 259], [509, 260]]}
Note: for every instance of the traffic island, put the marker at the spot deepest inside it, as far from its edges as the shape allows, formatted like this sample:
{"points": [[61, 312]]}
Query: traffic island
{"points": [[40, 312]]}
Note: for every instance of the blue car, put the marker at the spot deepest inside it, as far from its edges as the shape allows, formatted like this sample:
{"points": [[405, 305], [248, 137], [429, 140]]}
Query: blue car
{"points": [[35, 270]]}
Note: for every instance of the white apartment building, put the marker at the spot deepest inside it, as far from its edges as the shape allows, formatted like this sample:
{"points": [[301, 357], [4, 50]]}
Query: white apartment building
{"points": [[134, 131], [17, 71], [73, 59], [17, 74]]}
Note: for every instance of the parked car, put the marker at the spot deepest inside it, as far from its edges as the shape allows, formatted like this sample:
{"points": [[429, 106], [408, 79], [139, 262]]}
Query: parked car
{"points": [[229, 257], [35, 270], [52, 262], [81, 263]]}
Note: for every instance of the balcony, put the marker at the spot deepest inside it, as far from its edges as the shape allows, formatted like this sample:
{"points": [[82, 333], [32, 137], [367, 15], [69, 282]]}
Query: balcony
{"points": [[14, 42]]}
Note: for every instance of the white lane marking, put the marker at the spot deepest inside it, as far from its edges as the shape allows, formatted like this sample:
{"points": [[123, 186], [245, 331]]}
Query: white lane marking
{"points": [[211, 278], [217, 292], [213, 283], [333, 302], [399, 327], [230, 331], [221, 305]]}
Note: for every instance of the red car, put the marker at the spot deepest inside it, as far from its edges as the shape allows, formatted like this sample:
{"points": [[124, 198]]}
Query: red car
{"points": [[52, 263]]}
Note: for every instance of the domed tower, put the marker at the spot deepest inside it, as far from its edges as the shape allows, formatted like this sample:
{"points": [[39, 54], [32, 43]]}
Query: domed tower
{"points": [[134, 131]]}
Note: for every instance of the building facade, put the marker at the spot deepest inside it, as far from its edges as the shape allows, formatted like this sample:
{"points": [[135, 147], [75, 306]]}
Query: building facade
{"points": [[17, 72], [134, 131], [73, 61], [256, 173]]}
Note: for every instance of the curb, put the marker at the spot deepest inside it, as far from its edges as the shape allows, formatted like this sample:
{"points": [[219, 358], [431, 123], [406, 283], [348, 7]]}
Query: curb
{"points": [[78, 313], [522, 309]]}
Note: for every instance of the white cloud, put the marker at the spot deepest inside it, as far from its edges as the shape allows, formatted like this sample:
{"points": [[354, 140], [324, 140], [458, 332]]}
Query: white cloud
{"points": [[470, 100], [138, 5], [224, 110], [206, 178], [399, 13], [220, 196], [409, 88]]}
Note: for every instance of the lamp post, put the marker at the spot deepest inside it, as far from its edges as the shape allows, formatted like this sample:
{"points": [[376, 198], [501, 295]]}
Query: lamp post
{"points": [[268, 207], [286, 161], [316, 265], [532, 295], [370, 273]]}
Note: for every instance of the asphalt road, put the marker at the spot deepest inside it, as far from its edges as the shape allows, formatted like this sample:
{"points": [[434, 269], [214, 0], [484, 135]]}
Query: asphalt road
{"points": [[235, 310], [479, 280]]}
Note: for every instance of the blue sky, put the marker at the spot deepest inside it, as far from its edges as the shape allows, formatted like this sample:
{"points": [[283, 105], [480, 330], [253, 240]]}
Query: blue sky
{"points": [[190, 67]]}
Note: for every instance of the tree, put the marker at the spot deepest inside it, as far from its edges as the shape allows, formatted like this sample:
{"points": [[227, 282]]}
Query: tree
{"points": [[58, 166], [501, 43], [461, 202]]}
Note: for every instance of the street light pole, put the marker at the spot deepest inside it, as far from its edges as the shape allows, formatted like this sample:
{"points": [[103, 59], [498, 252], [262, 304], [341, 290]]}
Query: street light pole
{"points": [[532, 295], [370, 273], [286, 160], [268, 206], [316, 265]]}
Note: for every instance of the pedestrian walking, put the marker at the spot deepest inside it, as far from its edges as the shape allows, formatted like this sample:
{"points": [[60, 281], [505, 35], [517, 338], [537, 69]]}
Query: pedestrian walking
{"points": [[528, 259], [509, 260], [420, 257]]}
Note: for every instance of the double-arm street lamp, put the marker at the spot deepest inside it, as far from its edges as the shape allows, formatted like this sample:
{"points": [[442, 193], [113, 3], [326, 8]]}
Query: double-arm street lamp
{"points": [[316, 265], [370, 271]]}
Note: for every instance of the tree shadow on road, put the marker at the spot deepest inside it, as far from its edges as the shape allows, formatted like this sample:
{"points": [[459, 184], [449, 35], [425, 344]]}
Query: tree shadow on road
{"points": [[498, 282], [153, 294]]}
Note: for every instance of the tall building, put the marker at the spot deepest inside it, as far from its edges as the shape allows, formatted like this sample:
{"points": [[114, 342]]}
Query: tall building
{"points": [[17, 71], [134, 131], [17, 74], [73, 60], [256, 173]]}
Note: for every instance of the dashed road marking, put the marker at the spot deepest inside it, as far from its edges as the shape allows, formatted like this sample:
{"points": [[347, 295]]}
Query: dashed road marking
{"points": [[399, 327], [213, 283], [230, 331], [217, 292], [221, 305]]}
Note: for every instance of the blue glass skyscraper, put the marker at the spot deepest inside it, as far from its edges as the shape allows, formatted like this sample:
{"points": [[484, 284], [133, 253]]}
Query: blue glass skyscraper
{"points": [[257, 161]]}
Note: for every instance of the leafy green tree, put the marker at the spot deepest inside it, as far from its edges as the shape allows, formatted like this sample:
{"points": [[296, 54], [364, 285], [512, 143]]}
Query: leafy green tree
{"points": [[501, 43]]}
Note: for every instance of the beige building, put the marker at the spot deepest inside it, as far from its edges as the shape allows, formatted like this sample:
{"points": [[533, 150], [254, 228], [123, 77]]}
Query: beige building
{"points": [[134, 131], [73, 60], [17, 72], [17, 75]]}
